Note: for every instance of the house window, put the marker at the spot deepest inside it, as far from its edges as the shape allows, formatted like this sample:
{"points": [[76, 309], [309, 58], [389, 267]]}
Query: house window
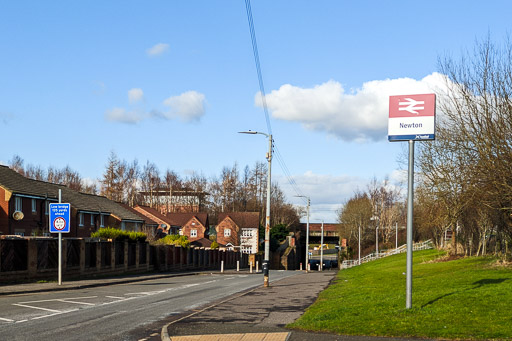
{"points": [[193, 233], [92, 219], [46, 207], [102, 220], [19, 233], [180, 232], [34, 206], [227, 232], [123, 225], [247, 233], [80, 219], [18, 204]]}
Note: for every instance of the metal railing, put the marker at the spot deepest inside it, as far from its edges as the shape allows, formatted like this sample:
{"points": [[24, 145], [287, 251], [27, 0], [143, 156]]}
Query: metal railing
{"points": [[373, 256]]}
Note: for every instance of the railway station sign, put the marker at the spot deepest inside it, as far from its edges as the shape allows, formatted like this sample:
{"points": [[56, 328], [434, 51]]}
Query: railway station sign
{"points": [[412, 117]]}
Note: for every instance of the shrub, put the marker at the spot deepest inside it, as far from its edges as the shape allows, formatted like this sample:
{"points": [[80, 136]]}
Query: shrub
{"points": [[117, 234], [214, 245], [174, 239]]}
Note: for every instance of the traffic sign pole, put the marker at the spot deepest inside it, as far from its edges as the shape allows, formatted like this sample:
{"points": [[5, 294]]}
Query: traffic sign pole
{"points": [[60, 245]]}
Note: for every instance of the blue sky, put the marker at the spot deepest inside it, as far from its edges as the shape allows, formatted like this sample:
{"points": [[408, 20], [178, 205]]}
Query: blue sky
{"points": [[174, 81]]}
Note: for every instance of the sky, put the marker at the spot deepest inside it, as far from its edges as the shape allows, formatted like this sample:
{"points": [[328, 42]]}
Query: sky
{"points": [[173, 82]]}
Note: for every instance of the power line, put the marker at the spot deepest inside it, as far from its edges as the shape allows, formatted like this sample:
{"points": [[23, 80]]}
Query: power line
{"points": [[279, 157]]}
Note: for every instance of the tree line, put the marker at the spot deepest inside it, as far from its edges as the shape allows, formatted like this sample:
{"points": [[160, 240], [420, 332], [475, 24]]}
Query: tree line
{"points": [[465, 185], [234, 190]]}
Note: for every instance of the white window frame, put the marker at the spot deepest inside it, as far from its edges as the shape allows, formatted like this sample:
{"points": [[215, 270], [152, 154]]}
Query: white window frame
{"points": [[81, 219], [18, 204], [34, 206], [227, 232], [102, 220], [193, 233]]}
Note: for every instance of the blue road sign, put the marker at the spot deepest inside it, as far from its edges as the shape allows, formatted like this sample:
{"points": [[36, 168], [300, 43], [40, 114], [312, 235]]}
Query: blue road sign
{"points": [[60, 218]]}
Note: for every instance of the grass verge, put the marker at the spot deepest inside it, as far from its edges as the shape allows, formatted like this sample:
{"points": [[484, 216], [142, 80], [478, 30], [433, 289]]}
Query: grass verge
{"points": [[469, 298]]}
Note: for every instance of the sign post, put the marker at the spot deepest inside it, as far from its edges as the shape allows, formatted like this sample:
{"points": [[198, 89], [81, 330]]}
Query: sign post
{"points": [[411, 118], [59, 223]]}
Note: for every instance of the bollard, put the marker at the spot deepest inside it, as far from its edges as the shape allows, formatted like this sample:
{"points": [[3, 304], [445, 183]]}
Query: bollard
{"points": [[237, 265], [301, 266], [222, 266], [250, 267], [257, 266]]}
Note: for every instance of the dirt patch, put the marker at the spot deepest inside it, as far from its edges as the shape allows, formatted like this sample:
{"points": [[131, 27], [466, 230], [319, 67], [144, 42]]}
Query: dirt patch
{"points": [[445, 258]]}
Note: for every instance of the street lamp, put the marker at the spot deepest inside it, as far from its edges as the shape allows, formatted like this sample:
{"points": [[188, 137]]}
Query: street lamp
{"points": [[307, 231], [265, 264]]}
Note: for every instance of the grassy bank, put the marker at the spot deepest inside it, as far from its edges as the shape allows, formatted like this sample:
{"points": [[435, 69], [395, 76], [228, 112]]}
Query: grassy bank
{"points": [[468, 298]]}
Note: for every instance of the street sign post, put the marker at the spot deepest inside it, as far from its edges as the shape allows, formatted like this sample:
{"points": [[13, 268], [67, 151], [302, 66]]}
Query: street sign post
{"points": [[59, 223], [411, 118]]}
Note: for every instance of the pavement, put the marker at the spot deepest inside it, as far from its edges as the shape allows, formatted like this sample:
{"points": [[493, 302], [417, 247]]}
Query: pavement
{"points": [[259, 314]]}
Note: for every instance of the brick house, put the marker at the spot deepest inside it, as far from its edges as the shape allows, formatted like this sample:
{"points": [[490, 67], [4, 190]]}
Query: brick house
{"points": [[161, 224], [239, 229], [24, 206], [193, 225]]}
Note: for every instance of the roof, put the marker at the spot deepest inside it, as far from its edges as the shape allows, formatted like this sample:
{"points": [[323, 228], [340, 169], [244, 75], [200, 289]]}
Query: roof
{"points": [[202, 242], [147, 219], [18, 184], [180, 219], [242, 219], [152, 214]]}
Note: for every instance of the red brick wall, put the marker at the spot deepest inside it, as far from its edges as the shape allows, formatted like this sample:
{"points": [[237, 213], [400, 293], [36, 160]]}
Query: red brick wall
{"points": [[227, 224], [194, 224], [4, 213]]}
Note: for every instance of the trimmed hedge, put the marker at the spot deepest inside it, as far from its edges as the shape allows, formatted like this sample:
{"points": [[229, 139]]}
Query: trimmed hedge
{"points": [[117, 234]]}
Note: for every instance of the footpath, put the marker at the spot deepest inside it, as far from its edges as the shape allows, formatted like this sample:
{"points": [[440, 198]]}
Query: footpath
{"points": [[260, 314]]}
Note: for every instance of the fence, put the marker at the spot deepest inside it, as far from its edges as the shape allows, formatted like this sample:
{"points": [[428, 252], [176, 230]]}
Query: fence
{"points": [[373, 256], [32, 258]]}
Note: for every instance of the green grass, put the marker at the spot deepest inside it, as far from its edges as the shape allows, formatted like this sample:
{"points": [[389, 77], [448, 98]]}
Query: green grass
{"points": [[468, 298]]}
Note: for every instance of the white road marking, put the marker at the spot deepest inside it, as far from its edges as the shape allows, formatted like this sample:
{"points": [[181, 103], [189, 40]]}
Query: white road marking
{"points": [[84, 303], [118, 298], [55, 299], [45, 309], [6, 320]]}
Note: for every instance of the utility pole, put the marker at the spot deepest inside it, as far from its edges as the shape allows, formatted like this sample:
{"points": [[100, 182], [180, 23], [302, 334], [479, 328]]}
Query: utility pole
{"points": [[266, 260]]}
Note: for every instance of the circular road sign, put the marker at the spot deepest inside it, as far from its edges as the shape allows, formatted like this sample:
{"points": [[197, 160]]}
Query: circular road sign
{"points": [[59, 223]]}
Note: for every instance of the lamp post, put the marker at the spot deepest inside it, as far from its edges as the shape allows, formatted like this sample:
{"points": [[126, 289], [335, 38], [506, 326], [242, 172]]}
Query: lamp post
{"points": [[307, 231], [265, 264], [322, 248]]}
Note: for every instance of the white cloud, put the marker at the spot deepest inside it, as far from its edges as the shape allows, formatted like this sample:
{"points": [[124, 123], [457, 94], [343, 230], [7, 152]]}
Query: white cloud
{"points": [[358, 115], [135, 95], [124, 116], [189, 106], [157, 49]]}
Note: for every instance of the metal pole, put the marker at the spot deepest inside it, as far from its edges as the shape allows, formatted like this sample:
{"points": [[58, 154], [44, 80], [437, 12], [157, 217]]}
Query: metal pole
{"points": [[322, 248], [377, 240], [410, 203], [60, 245], [267, 220], [359, 246], [307, 239], [396, 236]]}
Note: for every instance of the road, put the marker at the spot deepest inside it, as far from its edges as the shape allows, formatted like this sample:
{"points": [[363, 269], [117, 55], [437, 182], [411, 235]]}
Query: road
{"points": [[118, 312]]}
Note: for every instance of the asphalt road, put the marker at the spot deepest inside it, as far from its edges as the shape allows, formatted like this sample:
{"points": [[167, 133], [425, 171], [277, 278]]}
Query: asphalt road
{"points": [[119, 312]]}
